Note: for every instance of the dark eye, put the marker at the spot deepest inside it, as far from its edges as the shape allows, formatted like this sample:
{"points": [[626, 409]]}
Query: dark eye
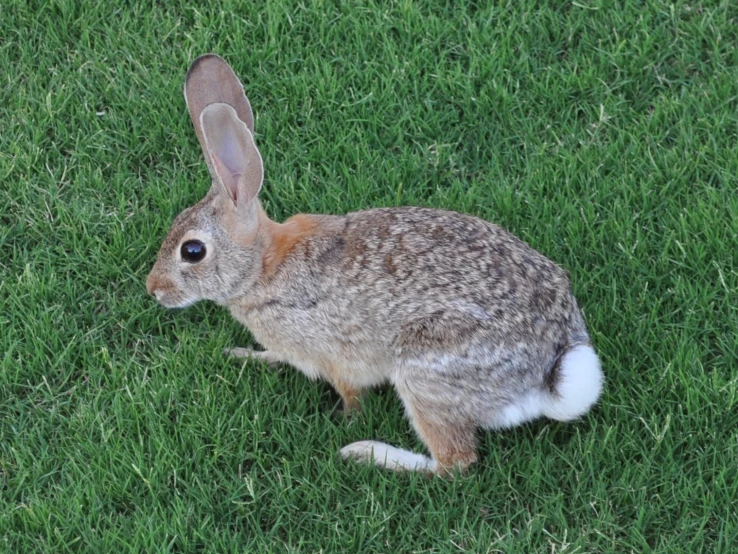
{"points": [[193, 251]]}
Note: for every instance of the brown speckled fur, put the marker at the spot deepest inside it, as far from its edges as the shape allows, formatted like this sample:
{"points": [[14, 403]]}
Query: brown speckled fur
{"points": [[460, 316]]}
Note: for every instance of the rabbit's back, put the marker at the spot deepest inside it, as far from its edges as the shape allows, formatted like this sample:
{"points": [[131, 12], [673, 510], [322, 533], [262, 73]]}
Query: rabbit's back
{"points": [[419, 261]]}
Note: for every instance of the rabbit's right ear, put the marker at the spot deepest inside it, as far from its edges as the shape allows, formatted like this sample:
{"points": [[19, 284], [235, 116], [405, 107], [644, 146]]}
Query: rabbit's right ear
{"points": [[211, 80]]}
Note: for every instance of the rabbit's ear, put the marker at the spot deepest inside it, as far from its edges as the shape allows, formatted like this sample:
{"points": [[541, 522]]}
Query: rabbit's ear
{"points": [[209, 80], [229, 146]]}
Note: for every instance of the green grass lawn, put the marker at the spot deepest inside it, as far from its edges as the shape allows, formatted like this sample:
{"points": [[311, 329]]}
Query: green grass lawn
{"points": [[605, 136]]}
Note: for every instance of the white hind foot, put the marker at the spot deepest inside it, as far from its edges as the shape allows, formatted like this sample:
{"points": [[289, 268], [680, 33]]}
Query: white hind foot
{"points": [[389, 457], [265, 356], [577, 384]]}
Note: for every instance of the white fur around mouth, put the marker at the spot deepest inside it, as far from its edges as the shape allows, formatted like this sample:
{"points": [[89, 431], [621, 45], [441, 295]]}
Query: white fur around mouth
{"points": [[182, 303]]}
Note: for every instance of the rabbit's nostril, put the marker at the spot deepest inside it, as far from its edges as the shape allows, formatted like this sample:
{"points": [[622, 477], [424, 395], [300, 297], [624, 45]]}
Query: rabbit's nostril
{"points": [[152, 285]]}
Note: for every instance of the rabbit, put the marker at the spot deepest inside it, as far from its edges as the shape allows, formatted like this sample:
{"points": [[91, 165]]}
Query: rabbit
{"points": [[472, 327]]}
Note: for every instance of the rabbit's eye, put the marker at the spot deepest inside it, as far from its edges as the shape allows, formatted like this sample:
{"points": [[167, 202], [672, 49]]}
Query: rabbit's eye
{"points": [[193, 251]]}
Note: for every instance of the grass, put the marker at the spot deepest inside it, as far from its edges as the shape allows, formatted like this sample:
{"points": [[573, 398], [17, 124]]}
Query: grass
{"points": [[603, 133]]}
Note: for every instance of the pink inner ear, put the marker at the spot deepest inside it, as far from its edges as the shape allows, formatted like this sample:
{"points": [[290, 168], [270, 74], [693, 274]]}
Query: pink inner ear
{"points": [[229, 179], [236, 177]]}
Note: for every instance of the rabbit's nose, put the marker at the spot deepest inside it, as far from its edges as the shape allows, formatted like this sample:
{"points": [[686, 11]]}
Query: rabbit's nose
{"points": [[151, 284]]}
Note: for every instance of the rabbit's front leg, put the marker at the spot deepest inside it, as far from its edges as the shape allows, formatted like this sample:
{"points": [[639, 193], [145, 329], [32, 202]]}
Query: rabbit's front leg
{"points": [[350, 396], [266, 356]]}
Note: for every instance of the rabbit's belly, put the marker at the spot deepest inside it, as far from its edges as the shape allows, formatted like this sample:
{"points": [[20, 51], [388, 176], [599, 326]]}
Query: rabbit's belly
{"points": [[331, 362], [324, 351], [354, 372]]}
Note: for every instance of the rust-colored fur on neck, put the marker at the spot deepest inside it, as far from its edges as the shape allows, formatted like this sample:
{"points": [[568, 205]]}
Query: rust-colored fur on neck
{"points": [[281, 238]]}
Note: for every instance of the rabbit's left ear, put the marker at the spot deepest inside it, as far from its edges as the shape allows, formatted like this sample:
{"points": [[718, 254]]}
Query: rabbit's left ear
{"points": [[211, 80], [229, 147]]}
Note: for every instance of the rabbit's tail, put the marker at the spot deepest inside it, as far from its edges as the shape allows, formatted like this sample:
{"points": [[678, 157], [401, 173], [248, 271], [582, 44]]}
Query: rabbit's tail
{"points": [[575, 384]]}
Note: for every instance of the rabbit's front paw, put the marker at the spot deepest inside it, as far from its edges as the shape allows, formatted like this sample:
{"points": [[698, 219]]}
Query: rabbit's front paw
{"points": [[266, 356]]}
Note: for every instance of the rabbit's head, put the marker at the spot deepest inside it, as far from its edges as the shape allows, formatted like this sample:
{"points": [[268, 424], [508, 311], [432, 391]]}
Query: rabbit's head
{"points": [[214, 249]]}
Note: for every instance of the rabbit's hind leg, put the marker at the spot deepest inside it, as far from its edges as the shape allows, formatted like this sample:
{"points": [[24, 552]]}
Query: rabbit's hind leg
{"points": [[451, 440], [450, 436]]}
